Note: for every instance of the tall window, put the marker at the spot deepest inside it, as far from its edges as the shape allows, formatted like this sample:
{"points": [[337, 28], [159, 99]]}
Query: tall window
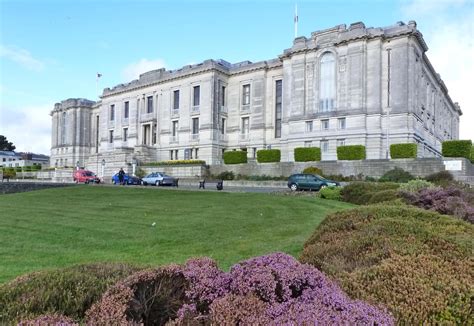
{"points": [[196, 95], [175, 128], [126, 109], [223, 96], [309, 126], [111, 136], [149, 104], [325, 124], [195, 126], [278, 102], [176, 100], [324, 146], [245, 126], [125, 134], [246, 94], [112, 112], [341, 123], [327, 82], [223, 126]]}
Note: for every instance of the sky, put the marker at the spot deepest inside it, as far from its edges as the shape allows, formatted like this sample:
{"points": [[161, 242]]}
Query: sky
{"points": [[52, 50]]}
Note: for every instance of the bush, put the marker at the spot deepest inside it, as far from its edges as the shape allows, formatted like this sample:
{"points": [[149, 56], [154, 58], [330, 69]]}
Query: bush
{"points": [[440, 177], [451, 201], [9, 173], [149, 297], [416, 262], [226, 175], [333, 193], [457, 148], [383, 196], [307, 154], [416, 185], [403, 150], [351, 152], [472, 155], [313, 170], [139, 172], [235, 157], [69, 291], [397, 175], [360, 193], [268, 155], [50, 320], [272, 289]]}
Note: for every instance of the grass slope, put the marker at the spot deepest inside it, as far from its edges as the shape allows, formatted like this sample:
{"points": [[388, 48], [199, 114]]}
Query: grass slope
{"points": [[59, 227]]}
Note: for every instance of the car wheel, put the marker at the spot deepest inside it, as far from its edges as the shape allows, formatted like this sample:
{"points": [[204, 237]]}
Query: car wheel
{"points": [[294, 187], [157, 183], [114, 182], [144, 183], [160, 183]]}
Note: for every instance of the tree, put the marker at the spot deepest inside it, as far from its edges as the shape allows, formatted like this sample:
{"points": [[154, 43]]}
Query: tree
{"points": [[5, 145]]}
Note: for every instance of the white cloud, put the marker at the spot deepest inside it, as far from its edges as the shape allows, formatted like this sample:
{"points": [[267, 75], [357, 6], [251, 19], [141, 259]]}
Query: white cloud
{"points": [[448, 29], [27, 127], [22, 57], [133, 70]]}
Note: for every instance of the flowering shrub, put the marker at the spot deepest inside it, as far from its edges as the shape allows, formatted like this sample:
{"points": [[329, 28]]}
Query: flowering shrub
{"points": [[361, 192], [333, 193], [415, 185], [451, 201], [418, 263], [272, 289]]}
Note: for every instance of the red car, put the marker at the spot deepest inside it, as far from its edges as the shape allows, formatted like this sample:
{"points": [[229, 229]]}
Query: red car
{"points": [[85, 176]]}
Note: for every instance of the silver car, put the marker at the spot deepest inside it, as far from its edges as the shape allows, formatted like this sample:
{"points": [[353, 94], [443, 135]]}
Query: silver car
{"points": [[158, 179]]}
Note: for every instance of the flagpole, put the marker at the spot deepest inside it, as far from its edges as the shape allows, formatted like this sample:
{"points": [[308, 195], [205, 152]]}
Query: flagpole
{"points": [[296, 20]]}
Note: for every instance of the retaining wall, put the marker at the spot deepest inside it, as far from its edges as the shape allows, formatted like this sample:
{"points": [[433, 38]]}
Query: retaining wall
{"points": [[9, 187]]}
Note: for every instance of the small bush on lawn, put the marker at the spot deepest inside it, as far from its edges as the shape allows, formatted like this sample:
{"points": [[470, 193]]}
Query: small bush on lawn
{"points": [[313, 170], [307, 154], [403, 150], [440, 177], [457, 148], [360, 193], [268, 155], [451, 201], [9, 173], [235, 157], [397, 175], [149, 297], [226, 175], [416, 185], [418, 263], [69, 291], [351, 152], [333, 193], [383, 196]]}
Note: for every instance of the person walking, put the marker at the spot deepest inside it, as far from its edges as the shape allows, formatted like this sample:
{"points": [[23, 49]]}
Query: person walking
{"points": [[121, 175]]}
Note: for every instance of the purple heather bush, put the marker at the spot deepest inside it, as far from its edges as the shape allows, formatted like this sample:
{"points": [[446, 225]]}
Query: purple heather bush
{"points": [[273, 289], [49, 320], [450, 201]]}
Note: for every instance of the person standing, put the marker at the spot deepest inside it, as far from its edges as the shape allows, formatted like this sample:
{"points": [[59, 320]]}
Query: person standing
{"points": [[121, 175]]}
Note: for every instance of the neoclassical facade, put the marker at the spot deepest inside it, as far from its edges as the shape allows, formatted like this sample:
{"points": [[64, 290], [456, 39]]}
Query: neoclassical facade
{"points": [[341, 86]]}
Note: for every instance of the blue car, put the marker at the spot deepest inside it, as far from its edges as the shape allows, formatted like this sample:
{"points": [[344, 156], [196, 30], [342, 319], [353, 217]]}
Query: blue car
{"points": [[127, 179]]}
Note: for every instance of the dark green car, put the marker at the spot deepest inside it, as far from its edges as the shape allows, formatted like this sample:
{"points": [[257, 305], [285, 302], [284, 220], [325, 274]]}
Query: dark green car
{"points": [[309, 182]]}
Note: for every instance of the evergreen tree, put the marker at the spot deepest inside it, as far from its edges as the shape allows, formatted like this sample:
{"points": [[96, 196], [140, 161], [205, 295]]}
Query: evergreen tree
{"points": [[5, 145]]}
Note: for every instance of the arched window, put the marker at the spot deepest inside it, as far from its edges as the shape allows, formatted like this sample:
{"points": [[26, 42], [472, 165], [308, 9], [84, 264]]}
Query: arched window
{"points": [[327, 83]]}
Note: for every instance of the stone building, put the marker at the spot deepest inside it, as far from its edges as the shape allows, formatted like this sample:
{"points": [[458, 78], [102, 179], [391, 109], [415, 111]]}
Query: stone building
{"points": [[341, 86]]}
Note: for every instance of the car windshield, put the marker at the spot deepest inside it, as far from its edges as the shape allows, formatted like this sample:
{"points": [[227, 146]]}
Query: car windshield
{"points": [[89, 174]]}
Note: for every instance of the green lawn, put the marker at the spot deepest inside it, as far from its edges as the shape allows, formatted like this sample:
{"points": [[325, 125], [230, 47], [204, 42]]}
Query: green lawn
{"points": [[64, 226]]}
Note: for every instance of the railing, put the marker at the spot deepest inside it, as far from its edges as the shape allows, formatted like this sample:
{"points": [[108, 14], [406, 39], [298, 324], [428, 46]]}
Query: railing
{"points": [[147, 117]]}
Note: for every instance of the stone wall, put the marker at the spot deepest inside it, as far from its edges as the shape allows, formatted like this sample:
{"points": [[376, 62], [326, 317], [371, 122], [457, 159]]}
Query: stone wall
{"points": [[375, 168], [179, 171], [13, 187]]}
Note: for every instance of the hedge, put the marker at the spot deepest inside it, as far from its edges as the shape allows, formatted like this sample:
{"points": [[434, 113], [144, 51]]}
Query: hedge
{"points": [[176, 162], [351, 152], [403, 150], [472, 154], [268, 155], [307, 154], [457, 148], [235, 157]]}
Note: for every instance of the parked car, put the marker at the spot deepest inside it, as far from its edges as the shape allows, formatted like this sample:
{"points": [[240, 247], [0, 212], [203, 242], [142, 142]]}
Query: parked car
{"points": [[159, 179], [86, 176], [127, 179], [309, 182]]}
